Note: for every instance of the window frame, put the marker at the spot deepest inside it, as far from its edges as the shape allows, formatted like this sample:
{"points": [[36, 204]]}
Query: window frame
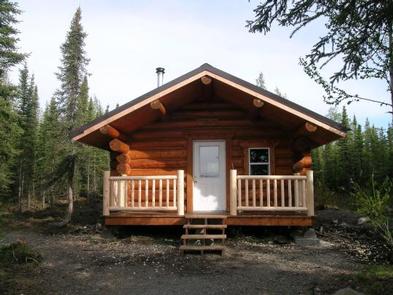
{"points": [[268, 163]]}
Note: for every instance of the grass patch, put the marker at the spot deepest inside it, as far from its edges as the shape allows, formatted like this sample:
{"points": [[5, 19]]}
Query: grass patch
{"points": [[17, 262], [18, 253], [376, 279]]}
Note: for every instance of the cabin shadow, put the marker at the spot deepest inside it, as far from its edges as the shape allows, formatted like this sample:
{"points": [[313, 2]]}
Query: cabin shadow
{"points": [[170, 234]]}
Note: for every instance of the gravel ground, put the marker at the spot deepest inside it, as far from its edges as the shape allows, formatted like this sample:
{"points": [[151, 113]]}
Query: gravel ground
{"points": [[98, 263]]}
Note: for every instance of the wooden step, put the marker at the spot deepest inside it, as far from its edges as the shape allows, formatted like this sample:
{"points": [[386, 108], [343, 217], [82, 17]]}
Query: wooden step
{"points": [[202, 248], [205, 216], [203, 237], [209, 226]]}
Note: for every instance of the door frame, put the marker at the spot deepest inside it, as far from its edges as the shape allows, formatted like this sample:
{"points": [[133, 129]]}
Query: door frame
{"points": [[190, 168], [222, 149]]}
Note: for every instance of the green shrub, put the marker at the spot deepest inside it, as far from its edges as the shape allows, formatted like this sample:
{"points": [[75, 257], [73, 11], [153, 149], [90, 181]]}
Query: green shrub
{"points": [[374, 202], [18, 253]]}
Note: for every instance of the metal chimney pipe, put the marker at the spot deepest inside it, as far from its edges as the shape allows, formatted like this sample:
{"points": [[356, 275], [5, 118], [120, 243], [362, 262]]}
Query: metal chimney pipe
{"points": [[160, 76]]}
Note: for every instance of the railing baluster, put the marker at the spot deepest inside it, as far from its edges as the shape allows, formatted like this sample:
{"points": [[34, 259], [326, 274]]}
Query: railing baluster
{"points": [[303, 193], [260, 193], [119, 193], [132, 193], [275, 192], [246, 187], [126, 194], [239, 192], [153, 193], [146, 193], [139, 193], [282, 184], [296, 193], [167, 192], [254, 203], [268, 192], [174, 193], [160, 193], [289, 193]]}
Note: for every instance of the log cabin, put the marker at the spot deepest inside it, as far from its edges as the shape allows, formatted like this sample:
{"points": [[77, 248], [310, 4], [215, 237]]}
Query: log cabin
{"points": [[209, 144]]}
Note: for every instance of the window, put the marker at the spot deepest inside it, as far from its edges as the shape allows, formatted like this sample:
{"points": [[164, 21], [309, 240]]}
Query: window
{"points": [[209, 161], [259, 161]]}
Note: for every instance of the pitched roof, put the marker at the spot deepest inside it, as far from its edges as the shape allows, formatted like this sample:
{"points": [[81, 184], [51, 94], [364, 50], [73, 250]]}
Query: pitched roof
{"points": [[226, 78]]}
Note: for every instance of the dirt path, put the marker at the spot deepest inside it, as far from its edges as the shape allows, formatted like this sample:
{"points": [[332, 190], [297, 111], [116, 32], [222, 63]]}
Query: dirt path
{"points": [[94, 264]]}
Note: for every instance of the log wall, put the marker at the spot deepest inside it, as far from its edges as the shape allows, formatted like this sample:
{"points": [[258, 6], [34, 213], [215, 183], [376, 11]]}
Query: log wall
{"points": [[163, 147]]}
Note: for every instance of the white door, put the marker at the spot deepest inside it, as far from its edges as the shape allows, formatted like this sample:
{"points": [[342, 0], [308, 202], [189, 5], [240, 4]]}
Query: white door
{"points": [[209, 192]]}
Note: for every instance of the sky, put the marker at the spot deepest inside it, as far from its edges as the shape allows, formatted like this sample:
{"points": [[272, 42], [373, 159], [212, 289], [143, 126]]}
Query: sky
{"points": [[128, 39]]}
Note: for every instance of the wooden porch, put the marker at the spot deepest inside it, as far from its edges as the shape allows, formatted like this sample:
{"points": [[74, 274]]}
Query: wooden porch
{"points": [[273, 200]]}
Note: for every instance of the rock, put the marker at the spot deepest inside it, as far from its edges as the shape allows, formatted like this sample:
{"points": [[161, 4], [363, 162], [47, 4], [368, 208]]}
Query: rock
{"points": [[309, 238], [363, 220], [310, 233], [347, 291], [344, 224]]}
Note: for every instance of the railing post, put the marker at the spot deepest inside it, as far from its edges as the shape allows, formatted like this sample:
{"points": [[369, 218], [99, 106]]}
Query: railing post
{"points": [[106, 194], [310, 193], [180, 192], [233, 192]]}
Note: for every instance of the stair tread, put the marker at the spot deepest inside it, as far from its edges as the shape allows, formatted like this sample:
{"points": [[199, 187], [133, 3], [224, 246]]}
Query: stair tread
{"points": [[215, 226], [204, 215], [204, 247], [202, 237]]}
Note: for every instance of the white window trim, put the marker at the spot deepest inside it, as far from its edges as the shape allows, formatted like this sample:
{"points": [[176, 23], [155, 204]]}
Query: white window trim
{"points": [[249, 159]]}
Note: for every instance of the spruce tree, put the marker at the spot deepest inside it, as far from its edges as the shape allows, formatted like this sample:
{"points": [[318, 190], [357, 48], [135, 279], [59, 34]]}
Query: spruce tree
{"points": [[9, 121], [71, 75], [344, 168]]}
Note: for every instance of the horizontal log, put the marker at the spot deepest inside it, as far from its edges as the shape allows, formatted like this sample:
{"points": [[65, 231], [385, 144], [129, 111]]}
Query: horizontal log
{"points": [[211, 122], [123, 158], [208, 105], [140, 145], [147, 172], [149, 163], [110, 131], [180, 154], [209, 114], [158, 105], [304, 163], [257, 103], [119, 146], [206, 80], [208, 131], [123, 169]]}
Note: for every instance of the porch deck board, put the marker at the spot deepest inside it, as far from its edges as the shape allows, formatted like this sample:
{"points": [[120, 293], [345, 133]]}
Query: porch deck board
{"points": [[169, 219]]}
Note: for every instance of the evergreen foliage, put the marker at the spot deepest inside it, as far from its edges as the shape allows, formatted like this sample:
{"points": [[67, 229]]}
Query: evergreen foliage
{"points": [[9, 119], [363, 155], [358, 40]]}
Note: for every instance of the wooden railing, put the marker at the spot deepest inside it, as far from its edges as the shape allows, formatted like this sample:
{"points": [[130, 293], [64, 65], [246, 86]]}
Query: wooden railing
{"points": [[271, 193], [144, 193]]}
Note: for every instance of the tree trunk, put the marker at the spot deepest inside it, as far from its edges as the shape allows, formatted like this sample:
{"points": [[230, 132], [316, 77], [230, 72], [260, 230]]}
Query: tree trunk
{"points": [[70, 208], [43, 200], [28, 200], [391, 67], [20, 188]]}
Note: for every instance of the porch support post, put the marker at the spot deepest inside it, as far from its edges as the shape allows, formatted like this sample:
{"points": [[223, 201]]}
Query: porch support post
{"points": [[180, 192], [310, 193], [106, 192], [232, 193]]}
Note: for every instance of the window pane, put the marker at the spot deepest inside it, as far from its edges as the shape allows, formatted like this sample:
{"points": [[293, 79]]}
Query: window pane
{"points": [[259, 169], [209, 161], [259, 156]]}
